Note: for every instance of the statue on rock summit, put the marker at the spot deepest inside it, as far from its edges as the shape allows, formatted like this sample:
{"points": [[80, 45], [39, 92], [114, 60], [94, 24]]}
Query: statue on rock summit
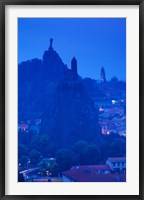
{"points": [[51, 41]]}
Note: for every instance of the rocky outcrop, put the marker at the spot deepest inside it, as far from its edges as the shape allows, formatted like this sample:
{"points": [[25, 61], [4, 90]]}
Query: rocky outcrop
{"points": [[37, 82], [71, 116]]}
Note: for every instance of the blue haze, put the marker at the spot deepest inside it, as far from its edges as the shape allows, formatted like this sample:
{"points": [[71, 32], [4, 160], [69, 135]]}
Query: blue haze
{"points": [[95, 42]]}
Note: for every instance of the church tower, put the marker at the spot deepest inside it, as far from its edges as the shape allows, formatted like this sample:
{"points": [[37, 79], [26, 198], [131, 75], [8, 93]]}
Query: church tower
{"points": [[102, 76], [74, 67]]}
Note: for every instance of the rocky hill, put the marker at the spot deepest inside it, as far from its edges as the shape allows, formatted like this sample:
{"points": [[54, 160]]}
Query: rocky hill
{"points": [[49, 90], [37, 82], [71, 116]]}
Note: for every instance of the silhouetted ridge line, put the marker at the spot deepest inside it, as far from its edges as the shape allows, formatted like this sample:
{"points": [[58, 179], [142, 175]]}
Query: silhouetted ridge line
{"points": [[38, 81]]}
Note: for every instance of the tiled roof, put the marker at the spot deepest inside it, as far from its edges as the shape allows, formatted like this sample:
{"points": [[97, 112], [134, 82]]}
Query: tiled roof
{"points": [[82, 175], [117, 159], [92, 167]]}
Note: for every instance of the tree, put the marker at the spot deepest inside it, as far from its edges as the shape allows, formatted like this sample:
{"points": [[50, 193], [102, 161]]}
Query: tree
{"points": [[64, 159], [79, 150], [35, 157], [80, 147], [112, 145], [44, 139], [23, 160], [86, 154], [92, 155], [117, 148], [51, 149], [22, 151], [35, 142], [20, 177], [53, 168]]}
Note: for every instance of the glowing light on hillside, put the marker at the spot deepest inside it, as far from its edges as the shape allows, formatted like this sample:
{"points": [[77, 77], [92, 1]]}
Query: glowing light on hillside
{"points": [[101, 109], [113, 101]]}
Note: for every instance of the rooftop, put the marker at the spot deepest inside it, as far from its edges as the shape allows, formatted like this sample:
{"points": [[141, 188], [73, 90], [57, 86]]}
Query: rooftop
{"points": [[117, 159], [89, 174], [91, 167]]}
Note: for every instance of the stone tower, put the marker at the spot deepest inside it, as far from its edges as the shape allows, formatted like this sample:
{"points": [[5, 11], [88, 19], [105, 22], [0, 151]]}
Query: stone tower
{"points": [[74, 67], [102, 75]]}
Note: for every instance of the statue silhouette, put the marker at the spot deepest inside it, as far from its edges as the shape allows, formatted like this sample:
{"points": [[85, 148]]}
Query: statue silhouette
{"points": [[51, 41]]}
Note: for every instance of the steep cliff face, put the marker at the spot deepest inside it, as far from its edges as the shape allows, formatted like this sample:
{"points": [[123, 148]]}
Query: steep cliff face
{"points": [[53, 67], [71, 116]]}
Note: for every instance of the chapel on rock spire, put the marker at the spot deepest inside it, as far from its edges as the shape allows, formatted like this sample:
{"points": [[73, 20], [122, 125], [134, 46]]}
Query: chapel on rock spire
{"points": [[102, 75], [74, 67]]}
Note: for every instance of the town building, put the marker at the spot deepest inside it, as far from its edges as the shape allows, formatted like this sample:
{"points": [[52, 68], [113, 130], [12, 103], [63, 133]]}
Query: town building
{"points": [[92, 173], [113, 171], [23, 127], [47, 161], [117, 164]]}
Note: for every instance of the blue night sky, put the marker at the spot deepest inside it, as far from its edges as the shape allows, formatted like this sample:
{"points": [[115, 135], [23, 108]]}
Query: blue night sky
{"points": [[95, 42]]}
